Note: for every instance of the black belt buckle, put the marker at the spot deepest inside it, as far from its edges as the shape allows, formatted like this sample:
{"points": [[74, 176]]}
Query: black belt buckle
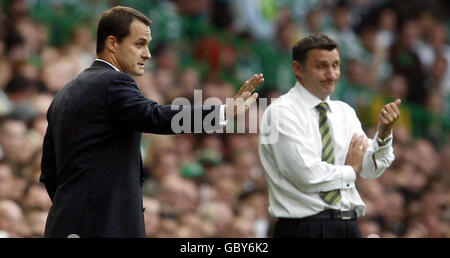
{"points": [[346, 215]]}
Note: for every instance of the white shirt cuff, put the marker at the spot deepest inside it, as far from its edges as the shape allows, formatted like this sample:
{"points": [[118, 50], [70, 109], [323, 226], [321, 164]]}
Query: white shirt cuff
{"points": [[381, 151], [348, 177], [222, 120]]}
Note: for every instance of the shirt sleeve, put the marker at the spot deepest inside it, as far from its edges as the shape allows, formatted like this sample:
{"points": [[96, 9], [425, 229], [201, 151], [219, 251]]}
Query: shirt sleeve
{"points": [[377, 158], [293, 153]]}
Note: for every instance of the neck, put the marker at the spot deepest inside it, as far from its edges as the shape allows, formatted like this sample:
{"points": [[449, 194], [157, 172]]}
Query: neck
{"points": [[110, 59]]}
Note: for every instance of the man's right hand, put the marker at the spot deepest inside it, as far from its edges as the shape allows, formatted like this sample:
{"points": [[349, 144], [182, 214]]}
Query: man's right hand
{"points": [[245, 96], [356, 151]]}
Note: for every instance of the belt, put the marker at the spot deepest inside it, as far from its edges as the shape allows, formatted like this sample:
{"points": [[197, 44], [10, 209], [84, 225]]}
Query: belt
{"points": [[327, 214]]}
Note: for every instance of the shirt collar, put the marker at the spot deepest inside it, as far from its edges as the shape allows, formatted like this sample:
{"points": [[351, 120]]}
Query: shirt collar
{"points": [[101, 60], [308, 99]]}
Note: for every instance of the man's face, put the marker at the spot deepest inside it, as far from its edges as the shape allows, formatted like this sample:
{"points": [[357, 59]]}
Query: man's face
{"points": [[320, 73], [133, 51]]}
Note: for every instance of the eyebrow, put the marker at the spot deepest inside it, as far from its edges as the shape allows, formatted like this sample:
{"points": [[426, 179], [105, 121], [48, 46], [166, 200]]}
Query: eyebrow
{"points": [[143, 39], [326, 62]]}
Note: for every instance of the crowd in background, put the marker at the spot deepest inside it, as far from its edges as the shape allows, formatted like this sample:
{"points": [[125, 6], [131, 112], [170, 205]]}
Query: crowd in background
{"points": [[213, 185]]}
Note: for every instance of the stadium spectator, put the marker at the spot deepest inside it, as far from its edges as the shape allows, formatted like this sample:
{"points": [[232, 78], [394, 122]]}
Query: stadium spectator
{"points": [[36, 222], [151, 215], [405, 60], [12, 220]]}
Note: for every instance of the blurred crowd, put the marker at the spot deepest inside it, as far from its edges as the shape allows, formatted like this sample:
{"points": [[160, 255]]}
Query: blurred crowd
{"points": [[212, 185]]}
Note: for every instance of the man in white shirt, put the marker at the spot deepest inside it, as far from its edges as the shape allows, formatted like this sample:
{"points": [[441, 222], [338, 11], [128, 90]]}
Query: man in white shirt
{"points": [[319, 149]]}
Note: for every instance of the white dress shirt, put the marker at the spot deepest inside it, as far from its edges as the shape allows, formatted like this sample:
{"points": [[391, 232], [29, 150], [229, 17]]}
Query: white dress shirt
{"points": [[222, 121], [294, 169]]}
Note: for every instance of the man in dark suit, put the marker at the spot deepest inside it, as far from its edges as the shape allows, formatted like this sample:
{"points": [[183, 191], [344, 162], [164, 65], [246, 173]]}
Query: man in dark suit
{"points": [[91, 163]]}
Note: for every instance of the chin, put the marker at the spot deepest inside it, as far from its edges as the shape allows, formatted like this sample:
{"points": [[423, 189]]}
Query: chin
{"points": [[137, 73], [328, 90], [331, 88]]}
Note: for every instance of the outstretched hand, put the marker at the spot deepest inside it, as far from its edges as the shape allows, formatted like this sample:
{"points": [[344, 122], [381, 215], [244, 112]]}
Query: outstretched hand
{"points": [[244, 97]]}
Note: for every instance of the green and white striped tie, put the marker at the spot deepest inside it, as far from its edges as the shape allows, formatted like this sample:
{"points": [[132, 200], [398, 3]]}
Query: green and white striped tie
{"points": [[331, 197]]}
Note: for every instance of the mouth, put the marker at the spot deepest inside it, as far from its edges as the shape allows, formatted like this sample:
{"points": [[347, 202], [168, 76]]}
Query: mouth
{"points": [[141, 65]]}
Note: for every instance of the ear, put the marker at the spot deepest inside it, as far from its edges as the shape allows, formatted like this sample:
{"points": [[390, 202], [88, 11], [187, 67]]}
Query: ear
{"points": [[111, 43], [297, 67]]}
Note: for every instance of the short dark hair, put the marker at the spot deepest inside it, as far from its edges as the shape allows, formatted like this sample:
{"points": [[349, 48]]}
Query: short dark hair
{"points": [[313, 41], [116, 22]]}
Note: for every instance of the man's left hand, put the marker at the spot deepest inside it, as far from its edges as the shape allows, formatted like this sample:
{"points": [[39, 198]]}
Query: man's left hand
{"points": [[387, 118]]}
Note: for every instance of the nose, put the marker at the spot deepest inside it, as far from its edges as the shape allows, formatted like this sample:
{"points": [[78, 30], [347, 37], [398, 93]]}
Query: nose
{"points": [[331, 74], [147, 54]]}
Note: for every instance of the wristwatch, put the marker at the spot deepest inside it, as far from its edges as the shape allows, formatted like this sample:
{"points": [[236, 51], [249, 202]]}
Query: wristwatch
{"points": [[382, 142]]}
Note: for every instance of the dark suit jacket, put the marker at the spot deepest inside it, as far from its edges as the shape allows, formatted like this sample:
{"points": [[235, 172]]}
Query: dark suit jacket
{"points": [[91, 163]]}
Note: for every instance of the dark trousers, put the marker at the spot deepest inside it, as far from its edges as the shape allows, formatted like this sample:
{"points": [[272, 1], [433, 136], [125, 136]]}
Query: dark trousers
{"points": [[316, 228]]}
